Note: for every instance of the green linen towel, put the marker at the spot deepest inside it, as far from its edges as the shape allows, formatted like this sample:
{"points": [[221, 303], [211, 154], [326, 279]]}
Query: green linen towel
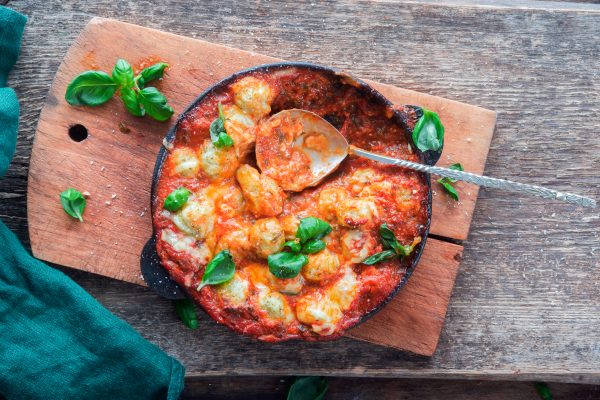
{"points": [[56, 341]]}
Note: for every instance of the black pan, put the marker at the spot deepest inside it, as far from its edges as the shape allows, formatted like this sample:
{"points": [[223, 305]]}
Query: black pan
{"points": [[156, 276]]}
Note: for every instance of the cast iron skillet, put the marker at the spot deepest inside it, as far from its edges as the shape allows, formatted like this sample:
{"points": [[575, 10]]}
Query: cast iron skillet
{"points": [[157, 277]]}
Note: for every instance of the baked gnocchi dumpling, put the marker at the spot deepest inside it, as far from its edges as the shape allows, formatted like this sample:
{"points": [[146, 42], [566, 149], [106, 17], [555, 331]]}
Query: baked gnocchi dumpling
{"points": [[356, 212], [267, 237], [264, 197], [184, 162], [320, 312], [321, 265], [254, 96], [216, 162], [197, 217], [237, 242], [329, 201], [240, 126]]}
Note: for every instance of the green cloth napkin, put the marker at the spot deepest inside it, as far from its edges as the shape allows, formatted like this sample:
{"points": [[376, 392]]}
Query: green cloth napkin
{"points": [[57, 341]]}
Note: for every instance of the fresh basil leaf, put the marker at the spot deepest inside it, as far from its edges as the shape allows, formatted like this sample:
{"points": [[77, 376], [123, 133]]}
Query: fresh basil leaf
{"points": [[293, 245], [123, 74], [90, 88], [286, 265], [132, 103], [543, 391], [187, 313], [219, 270], [217, 131], [428, 133], [456, 167], [313, 246], [447, 185], [176, 199], [151, 73], [308, 388], [388, 238], [312, 228], [73, 203], [379, 257], [155, 104]]}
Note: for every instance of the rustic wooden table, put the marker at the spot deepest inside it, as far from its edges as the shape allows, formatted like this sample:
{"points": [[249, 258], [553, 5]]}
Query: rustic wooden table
{"points": [[527, 300]]}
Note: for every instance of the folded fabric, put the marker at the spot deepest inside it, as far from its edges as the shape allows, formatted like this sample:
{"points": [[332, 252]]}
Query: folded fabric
{"points": [[56, 341]]}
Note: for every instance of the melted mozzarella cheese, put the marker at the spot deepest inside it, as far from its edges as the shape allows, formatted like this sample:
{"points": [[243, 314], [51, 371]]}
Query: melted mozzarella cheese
{"points": [[319, 312], [355, 212], [236, 241], [259, 273], [235, 291], [289, 224], [240, 126], [181, 243], [183, 161], [357, 245], [344, 291], [329, 201], [321, 265], [274, 304], [267, 237], [253, 96], [228, 198], [363, 177], [217, 163], [197, 217]]}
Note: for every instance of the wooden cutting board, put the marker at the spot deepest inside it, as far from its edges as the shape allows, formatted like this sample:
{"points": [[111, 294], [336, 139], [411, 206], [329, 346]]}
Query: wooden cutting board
{"points": [[116, 169]]}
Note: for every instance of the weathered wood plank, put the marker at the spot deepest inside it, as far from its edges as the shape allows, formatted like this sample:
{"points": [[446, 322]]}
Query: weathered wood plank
{"points": [[527, 303], [232, 388]]}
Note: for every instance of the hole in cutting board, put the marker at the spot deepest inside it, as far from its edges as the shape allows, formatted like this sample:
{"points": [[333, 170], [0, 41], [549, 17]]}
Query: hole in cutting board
{"points": [[78, 132]]}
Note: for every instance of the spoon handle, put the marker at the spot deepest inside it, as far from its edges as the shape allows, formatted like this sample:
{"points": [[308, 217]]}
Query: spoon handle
{"points": [[480, 180]]}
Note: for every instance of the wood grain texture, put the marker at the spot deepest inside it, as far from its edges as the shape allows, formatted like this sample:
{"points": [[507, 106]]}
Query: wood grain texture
{"points": [[116, 169], [267, 388], [526, 304]]}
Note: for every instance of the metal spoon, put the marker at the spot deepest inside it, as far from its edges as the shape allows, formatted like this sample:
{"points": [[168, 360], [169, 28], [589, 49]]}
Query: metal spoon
{"points": [[334, 148]]}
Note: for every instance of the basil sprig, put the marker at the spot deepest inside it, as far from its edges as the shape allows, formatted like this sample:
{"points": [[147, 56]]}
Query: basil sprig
{"points": [[287, 264], [219, 270], [308, 388], [176, 199], [218, 134], [428, 133], [392, 247], [93, 88], [447, 182], [73, 203], [187, 313]]}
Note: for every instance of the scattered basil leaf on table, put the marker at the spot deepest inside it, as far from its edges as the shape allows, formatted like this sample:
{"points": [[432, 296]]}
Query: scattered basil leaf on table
{"points": [[132, 103], [151, 73], [286, 265], [447, 182], [219, 270], [186, 312], [155, 104], [313, 246], [293, 245], [379, 257], [543, 391], [428, 133], [308, 388], [218, 134], [177, 199], [90, 88], [312, 228], [123, 74], [73, 203]]}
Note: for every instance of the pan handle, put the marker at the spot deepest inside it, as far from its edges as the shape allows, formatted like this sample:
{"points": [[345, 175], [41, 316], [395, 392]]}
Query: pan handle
{"points": [[156, 277]]}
